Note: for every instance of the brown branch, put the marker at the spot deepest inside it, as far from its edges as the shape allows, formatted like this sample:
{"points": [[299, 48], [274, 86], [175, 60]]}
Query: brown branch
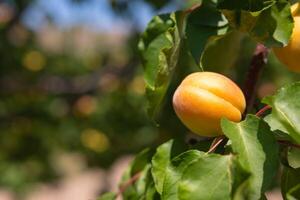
{"points": [[287, 143], [131, 181], [215, 143], [263, 110], [259, 59]]}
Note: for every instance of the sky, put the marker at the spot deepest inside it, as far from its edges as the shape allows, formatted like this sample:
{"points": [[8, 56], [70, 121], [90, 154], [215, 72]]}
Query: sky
{"points": [[94, 14]]}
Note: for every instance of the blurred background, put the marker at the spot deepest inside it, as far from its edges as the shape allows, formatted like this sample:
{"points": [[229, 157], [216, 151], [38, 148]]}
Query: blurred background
{"points": [[72, 105]]}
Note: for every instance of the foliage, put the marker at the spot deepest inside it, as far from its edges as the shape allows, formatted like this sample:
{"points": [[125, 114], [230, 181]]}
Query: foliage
{"points": [[58, 97], [247, 162]]}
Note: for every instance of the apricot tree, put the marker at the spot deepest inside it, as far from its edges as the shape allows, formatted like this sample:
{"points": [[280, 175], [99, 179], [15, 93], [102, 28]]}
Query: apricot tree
{"points": [[246, 143]]}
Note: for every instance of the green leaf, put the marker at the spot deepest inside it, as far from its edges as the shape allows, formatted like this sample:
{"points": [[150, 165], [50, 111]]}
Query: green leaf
{"points": [[174, 172], [285, 111], [141, 160], [240, 178], [131, 191], [246, 5], [257, 152], [227, 48], [294, 193], [202, 24], [108, 196], [274, 25], [143, 181], [207, 178], [143, 188], [294, 157], [151, 193], [159, 47], [270, 24], [138, 164], [141, 164], [160, 162], [290, 183]]}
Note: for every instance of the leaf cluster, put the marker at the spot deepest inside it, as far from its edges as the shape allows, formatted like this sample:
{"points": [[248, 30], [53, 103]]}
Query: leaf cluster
{"points": [[248, 163]]}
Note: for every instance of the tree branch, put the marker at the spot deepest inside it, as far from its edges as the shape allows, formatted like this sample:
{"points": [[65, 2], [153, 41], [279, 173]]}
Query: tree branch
{"points": [[287, 143], [131, 181], [259, 59]]}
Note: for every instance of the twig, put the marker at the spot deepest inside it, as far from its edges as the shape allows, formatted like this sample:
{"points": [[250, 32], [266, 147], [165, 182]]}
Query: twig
{"points": [[263, 110], [192, 8], [259, 59], [287, 143], [215, 144], [131, 181]]}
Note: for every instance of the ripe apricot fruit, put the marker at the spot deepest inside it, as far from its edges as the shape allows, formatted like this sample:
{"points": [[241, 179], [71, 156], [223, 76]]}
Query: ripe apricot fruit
{"points": [[290, 54], [203, 98]]}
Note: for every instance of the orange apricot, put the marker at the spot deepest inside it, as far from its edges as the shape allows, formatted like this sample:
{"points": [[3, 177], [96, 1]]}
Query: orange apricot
{"points": [[290, 54], [203, 98]]}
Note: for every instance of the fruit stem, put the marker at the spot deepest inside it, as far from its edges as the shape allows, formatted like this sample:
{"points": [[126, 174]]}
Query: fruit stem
{"points": [[215, 143], [259, 59], [263, 110]]}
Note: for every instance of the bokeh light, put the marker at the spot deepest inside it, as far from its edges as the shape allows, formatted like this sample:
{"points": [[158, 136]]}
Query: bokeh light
{"points": [[6, 13], [34, 61], [95, 140], [85, 105]]}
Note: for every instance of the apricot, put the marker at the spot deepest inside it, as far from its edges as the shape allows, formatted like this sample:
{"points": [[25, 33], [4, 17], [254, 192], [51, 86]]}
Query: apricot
{"points": [[290, 54], [203, 98]]}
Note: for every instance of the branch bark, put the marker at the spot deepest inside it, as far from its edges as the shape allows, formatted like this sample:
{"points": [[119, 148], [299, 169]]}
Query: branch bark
{"points": [[287, 143], [258, 61], [131, 181]]}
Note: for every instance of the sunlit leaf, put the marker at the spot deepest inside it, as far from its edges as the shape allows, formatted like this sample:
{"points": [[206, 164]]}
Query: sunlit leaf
{"points": [[174, 173], [160, 162], [207, 178], [285, 111], [257, 152], [268, 22], [294, 157], [108, 196], [159, 47]]}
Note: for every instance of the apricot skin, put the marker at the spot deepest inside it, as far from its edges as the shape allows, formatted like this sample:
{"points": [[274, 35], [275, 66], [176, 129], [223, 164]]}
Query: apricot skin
{"points": [[203, 98], [290, 54]]}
